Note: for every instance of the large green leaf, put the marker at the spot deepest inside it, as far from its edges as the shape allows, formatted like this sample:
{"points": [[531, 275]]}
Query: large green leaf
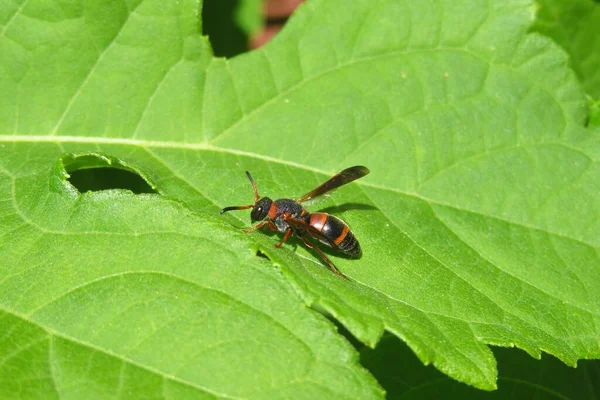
{"points": [[479, 221]]}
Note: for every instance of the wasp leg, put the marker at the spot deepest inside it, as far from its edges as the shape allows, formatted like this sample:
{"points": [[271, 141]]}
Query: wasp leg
{"points": [[260, 225], [285, 238], [323, 256]]}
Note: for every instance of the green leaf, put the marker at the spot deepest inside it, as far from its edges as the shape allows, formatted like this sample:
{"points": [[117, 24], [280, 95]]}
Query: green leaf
{"points": [[108, 293], [478, 223], [573, 24]]}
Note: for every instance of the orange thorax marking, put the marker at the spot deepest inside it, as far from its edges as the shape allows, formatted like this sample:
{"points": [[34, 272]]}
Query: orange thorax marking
{"points": [[272, 211]]}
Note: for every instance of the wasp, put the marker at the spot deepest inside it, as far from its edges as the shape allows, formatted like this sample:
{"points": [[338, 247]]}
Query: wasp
{"points": [[288, 216]]}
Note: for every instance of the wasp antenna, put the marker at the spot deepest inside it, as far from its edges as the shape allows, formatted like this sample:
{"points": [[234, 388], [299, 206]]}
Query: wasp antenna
{"points": [[233, 208], [253, 186]]}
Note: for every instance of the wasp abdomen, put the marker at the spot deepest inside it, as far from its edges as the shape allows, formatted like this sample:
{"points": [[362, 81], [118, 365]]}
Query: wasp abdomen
{"points": [[336, 233]]}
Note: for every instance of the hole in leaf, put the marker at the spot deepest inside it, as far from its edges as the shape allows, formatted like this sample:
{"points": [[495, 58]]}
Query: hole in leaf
{"points": [[219, 24], [96, 179], [236, 26], [261, 254], [95, 172], [273, 16]]}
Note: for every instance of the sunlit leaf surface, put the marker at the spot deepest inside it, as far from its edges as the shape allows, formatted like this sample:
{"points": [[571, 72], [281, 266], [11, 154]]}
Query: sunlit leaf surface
{"points": [[478, 222]]}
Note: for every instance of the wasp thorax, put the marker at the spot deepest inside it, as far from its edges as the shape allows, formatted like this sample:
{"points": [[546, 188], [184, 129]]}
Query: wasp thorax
{"points": [[261, 209]]}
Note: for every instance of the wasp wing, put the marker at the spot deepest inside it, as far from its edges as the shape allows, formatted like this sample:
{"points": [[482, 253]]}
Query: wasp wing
{"points": [[346, 176], [302, 227]]}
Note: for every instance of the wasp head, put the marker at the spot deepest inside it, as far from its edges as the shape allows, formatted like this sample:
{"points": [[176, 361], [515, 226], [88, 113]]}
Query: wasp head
{"points": [[261, 209]]}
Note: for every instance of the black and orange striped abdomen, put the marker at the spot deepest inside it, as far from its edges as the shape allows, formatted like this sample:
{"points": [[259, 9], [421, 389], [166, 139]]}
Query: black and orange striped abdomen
{"points": [[335, 233]]}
